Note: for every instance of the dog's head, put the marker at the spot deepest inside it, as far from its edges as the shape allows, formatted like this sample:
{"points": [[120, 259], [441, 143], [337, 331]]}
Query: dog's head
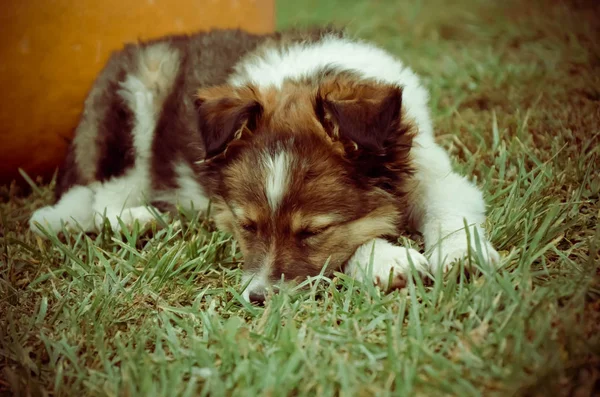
{"points": [[306, 174]]}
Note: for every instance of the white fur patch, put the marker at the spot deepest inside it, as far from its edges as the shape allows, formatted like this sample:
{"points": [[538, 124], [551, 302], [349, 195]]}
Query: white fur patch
{"points": [[74, 210], [238, 211], [323, 221], [158, 65], [278, 169], [140, 100], [190, 193], [259, 282], [388, 261]]}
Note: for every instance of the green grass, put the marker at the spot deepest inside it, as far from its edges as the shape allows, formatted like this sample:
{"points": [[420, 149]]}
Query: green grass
{"points": [[516, 100]]}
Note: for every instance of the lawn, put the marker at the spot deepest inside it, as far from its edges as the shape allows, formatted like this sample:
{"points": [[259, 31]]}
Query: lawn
{"points": [[515, 94]]}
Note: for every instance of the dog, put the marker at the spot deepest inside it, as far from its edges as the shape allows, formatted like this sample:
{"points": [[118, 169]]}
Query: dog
{"points": [[312, 147]]}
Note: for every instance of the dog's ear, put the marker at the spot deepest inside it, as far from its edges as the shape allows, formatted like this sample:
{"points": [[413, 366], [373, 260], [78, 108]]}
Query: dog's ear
{"points": [[366, 119], [224, 113], [363, 115]]}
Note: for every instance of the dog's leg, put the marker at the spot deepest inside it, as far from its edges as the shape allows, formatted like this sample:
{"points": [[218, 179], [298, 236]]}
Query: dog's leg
{"points": [[441, 201], [124, 197], [386, 264]]}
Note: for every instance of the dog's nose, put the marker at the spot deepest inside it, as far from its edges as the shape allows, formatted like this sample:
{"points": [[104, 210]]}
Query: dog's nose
{"points": [[257, 298]]}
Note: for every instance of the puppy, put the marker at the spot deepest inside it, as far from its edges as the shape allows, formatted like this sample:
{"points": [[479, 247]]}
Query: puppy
{"points": [[313, 147]]}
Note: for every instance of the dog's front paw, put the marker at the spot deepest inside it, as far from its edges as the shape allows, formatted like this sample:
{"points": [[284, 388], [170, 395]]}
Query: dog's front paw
{"points": [[390, 264], [48, 218], [456, 247], [53, 219], [73, 212]]}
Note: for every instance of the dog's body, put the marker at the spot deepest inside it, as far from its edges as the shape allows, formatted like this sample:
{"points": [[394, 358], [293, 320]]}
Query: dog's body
{"points": [[312, 147]]}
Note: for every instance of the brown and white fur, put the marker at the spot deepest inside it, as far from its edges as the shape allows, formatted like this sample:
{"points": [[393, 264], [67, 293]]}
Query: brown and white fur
{"points": [[313, 147]]}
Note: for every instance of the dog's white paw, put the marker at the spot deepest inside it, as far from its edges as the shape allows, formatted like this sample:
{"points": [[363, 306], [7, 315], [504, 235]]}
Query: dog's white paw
{"points": [[391, 264], [128, 217], [73, 210], [53, 220], [455, 247], [48, 218]]}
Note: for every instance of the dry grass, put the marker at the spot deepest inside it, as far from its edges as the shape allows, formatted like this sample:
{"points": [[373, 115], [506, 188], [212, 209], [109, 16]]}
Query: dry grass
{"points": [[516, 99]]}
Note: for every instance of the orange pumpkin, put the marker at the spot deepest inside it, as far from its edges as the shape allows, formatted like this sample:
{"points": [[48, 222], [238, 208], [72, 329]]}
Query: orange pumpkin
{"points": [[51, 51]]}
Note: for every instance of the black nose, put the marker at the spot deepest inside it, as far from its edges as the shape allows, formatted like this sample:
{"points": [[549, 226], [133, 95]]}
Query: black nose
{"points": [[257, 298]]}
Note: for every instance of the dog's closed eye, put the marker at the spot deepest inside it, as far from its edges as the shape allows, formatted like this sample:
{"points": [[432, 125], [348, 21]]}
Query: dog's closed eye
{"points": [[308, 233], [249, 227], [313, 226]]}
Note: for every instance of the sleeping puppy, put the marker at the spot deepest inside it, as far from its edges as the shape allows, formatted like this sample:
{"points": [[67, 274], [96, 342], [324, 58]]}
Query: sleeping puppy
{"points": [[313, 148]]}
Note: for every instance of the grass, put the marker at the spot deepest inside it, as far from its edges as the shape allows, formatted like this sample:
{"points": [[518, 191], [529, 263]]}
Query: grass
{"points": [[516, 100]]}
